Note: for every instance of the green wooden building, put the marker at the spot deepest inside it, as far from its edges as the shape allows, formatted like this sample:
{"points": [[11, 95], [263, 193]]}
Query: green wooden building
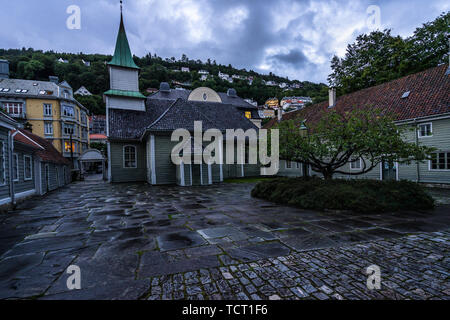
{"points": [[420, 101], [139, 129]]}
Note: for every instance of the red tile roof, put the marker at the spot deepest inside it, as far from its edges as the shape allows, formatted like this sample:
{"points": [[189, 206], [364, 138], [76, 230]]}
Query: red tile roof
{"points": [[47, 152], [20, 137], [429, 96], [98, 137]]}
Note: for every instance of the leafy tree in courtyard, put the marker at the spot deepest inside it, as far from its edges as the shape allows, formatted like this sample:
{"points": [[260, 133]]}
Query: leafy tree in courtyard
{"points": [[99, 146], [339, 138]]}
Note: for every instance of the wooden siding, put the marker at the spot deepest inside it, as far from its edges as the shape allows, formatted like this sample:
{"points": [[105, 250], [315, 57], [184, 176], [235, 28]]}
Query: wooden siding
{"points": [[121, 174], [4, 187], [165, 169], [21, 185]]}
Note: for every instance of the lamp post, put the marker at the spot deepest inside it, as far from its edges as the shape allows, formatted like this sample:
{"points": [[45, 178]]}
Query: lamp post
{"points": [[304, 131], [71, 148]]}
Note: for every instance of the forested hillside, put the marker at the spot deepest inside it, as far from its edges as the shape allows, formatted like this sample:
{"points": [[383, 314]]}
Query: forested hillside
{"points": [[39, 65]]}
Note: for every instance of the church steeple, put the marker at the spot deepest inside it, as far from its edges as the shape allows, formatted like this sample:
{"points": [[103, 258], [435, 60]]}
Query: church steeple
{"points": [[122, 54]]}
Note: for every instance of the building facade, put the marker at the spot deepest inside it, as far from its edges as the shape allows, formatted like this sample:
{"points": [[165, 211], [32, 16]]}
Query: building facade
{"points": [[420, 102], [29, 164], [139, 129], [49, 110]]}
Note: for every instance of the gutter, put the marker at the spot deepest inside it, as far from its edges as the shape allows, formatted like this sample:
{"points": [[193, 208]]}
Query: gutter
{"points": [[426, 118]]}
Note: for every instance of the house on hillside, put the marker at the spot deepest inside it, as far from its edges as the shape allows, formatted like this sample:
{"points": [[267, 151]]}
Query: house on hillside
{"points": [[82, 91], [139, 129], [420, 101]]}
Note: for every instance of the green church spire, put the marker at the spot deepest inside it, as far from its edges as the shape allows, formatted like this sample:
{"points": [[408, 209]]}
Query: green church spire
{"points": [[122, 54]]}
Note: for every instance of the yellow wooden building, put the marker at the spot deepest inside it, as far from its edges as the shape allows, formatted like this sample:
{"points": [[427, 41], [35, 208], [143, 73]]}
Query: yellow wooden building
{"points": [[49, 109]]}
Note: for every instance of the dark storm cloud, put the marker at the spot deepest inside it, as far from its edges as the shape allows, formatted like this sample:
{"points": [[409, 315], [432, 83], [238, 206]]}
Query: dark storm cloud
{"points": [[295, 58], [294, 38]]}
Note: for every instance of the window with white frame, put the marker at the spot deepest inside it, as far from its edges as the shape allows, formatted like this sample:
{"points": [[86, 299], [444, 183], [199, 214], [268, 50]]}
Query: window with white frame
{"points": [[15, 167], [355, 164], [28, 168], [2, 163], [68, 129], [288, 164], [48, 128], [14, 108], [129, 157], [440, 161], [83, 117], [298, 165], [48, 110], [425, 130], [68, 111]]}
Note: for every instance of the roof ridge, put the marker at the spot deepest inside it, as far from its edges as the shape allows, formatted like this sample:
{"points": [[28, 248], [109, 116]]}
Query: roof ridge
{"points": [[163, 114]]}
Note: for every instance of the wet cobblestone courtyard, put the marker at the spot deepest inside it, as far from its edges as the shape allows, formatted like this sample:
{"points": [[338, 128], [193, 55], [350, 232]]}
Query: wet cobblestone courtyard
{"points": [[134, 241]]}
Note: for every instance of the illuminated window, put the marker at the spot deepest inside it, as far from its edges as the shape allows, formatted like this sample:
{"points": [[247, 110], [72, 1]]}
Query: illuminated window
{"points": [[67, 146], [129, 157], [248, 114]]}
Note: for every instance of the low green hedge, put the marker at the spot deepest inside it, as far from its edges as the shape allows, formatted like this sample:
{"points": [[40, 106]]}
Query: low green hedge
{"points": [[356, 194]]}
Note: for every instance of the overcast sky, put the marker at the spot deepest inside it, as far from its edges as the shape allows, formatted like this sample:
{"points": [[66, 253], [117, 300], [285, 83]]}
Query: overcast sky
{"points": [[294, 38]]}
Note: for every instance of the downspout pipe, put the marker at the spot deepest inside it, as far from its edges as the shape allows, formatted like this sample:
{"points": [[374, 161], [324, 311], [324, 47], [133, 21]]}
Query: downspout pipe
{"points": [[417, 144], [11, 180]]}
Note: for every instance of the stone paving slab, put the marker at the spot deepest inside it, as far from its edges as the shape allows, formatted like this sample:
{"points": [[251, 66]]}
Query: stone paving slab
{"points": [[119, 234]]}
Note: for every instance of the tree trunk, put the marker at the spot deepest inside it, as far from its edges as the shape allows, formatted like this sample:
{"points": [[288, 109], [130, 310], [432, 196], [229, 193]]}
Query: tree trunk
{"points": [[327, 175]]}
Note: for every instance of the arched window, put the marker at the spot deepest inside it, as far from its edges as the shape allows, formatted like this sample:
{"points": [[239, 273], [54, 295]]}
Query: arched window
{"points": [[129, 157]]}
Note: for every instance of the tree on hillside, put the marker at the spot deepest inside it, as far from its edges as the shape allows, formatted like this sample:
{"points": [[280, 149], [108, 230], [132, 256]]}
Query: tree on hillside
{"points": [[338, 139], [93, 103], [379, 57]]}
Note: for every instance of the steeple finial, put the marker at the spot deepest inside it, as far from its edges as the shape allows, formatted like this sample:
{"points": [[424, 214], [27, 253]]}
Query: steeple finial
{"points": [[121, 6]]}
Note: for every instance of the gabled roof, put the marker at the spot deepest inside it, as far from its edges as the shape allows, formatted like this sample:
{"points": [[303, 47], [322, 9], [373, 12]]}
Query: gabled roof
{"points": [[122, 54], [35, 89], [165, 115], [46, 151], [6, 120], [23, 139], [429, 95]]}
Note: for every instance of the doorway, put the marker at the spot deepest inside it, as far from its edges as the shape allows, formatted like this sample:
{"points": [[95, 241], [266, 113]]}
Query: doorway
{"points": [[388, 171], [47, 178]]}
